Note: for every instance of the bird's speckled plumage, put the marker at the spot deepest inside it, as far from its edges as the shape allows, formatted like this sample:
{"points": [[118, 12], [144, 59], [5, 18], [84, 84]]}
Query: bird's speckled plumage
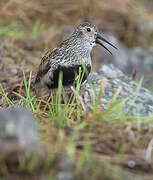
{"points": [[68, 57]]}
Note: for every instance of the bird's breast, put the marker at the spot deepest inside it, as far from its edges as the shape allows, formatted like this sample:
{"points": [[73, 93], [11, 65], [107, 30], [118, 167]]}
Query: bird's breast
{"points": [[69, 75]]}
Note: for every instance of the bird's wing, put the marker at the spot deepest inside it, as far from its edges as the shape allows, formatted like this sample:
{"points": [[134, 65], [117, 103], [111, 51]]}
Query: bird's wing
{"points": [[45, 64]]}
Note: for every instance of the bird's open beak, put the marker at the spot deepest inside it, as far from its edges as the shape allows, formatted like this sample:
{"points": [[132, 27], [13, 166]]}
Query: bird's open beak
{"points": [[99, 40]]}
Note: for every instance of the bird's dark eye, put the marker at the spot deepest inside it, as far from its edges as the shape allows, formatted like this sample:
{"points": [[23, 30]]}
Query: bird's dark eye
{"points": [[88, 29]]}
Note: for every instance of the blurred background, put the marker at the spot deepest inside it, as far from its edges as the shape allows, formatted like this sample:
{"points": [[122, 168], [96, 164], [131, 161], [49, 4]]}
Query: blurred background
{"points": [[29, 27]]}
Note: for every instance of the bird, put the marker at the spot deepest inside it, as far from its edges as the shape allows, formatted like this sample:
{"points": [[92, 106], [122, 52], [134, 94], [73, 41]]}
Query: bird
{"points": [[70, 58]]}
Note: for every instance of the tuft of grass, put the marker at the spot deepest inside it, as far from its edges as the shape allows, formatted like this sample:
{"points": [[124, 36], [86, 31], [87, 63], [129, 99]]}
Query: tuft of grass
{"points": [[3, 94], [29, 100], [63, 113]]}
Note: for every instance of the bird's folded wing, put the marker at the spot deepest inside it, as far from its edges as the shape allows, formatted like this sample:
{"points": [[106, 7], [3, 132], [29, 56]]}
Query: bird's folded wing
{"points": [[45, 64]]}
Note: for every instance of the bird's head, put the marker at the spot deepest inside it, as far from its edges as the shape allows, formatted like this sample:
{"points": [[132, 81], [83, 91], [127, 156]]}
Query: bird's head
{"points": [[90, 36]]}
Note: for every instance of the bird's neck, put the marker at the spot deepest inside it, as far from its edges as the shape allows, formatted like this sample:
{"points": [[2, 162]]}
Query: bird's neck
{"points": [[84, 55], [83, 47], [81, 50]]}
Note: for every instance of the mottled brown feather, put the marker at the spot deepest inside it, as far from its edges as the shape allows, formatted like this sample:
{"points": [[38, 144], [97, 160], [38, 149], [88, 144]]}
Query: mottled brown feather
{"points": [[44, 65]]}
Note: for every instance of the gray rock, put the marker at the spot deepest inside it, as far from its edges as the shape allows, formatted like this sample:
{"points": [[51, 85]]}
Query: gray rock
{"points": [[138, 58], [18, 126], [20, 147], [138, 101], [127, 60]]}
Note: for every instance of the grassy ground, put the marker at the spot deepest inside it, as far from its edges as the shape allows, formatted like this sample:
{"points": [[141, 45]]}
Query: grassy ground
{"points": [[100, 145]]}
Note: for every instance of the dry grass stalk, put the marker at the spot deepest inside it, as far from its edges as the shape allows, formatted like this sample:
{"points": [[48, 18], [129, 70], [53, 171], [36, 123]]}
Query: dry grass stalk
{"points": [[119, 89]]}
